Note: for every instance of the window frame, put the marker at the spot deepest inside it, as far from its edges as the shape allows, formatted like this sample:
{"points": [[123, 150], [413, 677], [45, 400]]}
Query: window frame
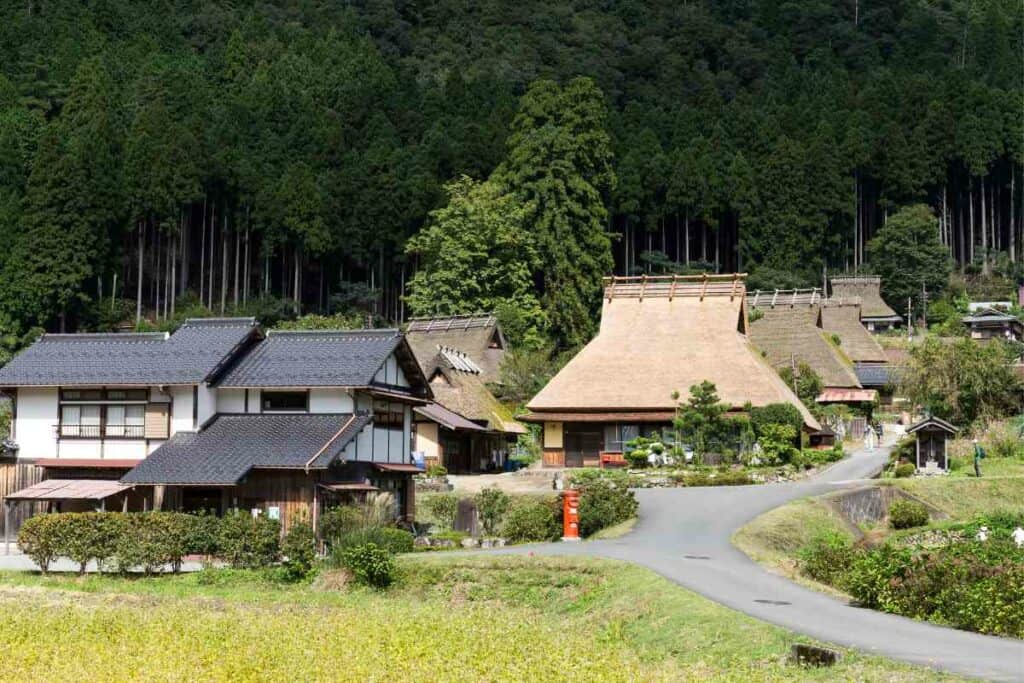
{"points": [[284, 392]]}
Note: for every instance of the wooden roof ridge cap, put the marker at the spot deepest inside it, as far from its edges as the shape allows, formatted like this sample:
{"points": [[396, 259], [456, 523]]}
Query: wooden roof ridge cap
{"points": [[334, 438]]}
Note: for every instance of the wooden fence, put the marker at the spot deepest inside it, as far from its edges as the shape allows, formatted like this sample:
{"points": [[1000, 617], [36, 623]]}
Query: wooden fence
{"points": [[15, 476]]}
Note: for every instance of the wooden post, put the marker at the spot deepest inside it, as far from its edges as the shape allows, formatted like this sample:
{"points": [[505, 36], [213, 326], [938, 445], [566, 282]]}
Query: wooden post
{"points": [[7, 526]]}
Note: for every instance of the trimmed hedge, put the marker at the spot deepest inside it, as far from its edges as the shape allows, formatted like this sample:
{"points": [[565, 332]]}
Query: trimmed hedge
{"points": [[907, 514], [604, 503], [148, 541], [532, 521], [393, 540]]}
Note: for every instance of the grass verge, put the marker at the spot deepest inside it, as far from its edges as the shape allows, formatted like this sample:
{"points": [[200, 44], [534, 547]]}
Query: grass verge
{"points": [[615, 531], [498, 618]]}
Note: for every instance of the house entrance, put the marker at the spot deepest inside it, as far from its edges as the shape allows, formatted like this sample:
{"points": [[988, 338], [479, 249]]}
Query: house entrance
{"points": [[582, 445]]}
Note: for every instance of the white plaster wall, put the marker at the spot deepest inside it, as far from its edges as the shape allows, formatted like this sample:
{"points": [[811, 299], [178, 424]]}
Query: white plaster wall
{"points": [[330, 401], [232, 401], [391, 373], [35, 430], [81, 448], [207, 403], [255, 397], [125, 450], [428, 441], [181, 410]]}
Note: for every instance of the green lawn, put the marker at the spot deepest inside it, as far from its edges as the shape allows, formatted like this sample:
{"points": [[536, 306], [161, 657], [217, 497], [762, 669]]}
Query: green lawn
{"points": [[964, 498], [451, 618]]}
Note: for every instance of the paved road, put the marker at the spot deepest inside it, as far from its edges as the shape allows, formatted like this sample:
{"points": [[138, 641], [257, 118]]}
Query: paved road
{"points": [[684, 534]]}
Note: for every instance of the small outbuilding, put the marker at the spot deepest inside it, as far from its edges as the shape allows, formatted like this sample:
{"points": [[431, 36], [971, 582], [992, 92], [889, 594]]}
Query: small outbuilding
{"points": [[931, 448]]}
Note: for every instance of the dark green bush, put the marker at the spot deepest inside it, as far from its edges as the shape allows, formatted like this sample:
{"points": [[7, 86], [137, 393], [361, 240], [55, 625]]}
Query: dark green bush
{"points": [[907, 514], [370, 565], [776, 413], [299, 550], [203, 534], [904, 470], [492, 503], [436, 471], [39, 538], [395, 541], [248, 542], [339, 521], [443, 507], [531, 521], [604, 503], [827, 557]]}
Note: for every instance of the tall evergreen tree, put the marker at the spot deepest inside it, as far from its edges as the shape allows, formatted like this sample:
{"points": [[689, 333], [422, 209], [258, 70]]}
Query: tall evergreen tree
{"points": [[559, 166]]}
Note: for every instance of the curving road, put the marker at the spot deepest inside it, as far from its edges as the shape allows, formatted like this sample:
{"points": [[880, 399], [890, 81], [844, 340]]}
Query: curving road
{"points": [[684, 535]]}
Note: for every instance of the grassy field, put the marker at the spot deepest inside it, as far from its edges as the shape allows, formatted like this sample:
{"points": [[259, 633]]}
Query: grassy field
{"points": [[966, 498], [449, 619]]}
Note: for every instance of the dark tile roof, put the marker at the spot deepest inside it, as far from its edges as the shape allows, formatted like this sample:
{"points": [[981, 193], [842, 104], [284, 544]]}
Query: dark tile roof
{"points": [[314, 359], [196, 352], [231, 445], [876, 375]]}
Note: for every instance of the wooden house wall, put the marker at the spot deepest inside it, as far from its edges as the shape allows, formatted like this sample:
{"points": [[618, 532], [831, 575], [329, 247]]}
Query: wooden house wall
{"points": [[290, 491], [15, 476]]}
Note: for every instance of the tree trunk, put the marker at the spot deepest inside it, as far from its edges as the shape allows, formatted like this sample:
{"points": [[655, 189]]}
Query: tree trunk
{"points": [[246, 277], [984, 232], [238, 237], [1013, 204], [224, 262], [174, 274], [686, 239], [156, 273], [678, 250], [970, 214], [202, 258], [295, 274], [213, 253], [138, 285]]}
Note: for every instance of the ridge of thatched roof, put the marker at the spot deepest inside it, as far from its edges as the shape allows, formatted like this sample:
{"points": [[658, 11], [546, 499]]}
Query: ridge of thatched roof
{"points": [[477, 336], [652, 345], [843, 320], [868, 290], [787, 334]]}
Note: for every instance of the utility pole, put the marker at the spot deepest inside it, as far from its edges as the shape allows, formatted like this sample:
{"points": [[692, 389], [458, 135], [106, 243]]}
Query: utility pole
{"points": [[924, 304], [910, 319]]}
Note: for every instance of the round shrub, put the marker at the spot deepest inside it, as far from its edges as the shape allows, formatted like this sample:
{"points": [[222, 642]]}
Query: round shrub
{"points": [[904, 470], [443, 507], [436, 471], [492, 503], [907, 514], [827, 557], [203, 534], [604, 503], [299, 550], [39, 539], [532, 521], [370, 565]]}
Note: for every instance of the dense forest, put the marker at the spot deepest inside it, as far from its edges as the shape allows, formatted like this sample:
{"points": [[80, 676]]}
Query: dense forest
{"points": [[157, 156]]}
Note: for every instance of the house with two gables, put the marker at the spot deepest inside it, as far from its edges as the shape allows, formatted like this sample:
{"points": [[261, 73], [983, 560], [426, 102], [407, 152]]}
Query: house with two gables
{"points": [[466, 428], [218, 415]]}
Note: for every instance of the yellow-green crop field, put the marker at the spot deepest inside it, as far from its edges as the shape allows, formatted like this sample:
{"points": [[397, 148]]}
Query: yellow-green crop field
{"points": [[450, 619]]}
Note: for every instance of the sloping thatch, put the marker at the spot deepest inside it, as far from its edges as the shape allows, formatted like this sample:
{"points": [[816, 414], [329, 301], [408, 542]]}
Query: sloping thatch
{"points": [[843, 320], [868, 291], [466, 393], [478, 336], [651, 345], [788, 334]]}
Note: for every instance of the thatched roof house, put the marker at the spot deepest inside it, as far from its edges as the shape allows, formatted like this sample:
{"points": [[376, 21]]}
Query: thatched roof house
{"points": [[478, 336], [788, 334], [466, 429], [658, 336], [875, 314], [841, 317]]}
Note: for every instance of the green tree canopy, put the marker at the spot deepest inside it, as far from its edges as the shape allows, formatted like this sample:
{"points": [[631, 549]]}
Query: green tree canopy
{"points": [[908, 256]]}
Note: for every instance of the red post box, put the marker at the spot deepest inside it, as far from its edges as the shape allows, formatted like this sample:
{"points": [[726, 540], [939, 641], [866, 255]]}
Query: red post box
{"points": [[570, 515]]}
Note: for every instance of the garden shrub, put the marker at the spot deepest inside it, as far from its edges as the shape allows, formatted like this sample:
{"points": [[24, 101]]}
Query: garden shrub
{"points": [[776, 414], [299, 550], [827, 557], [531, 521], [777, 443], [39, 539], [605, 503], [203, 534], [339, 521], [248, 542], [904, 470], [492, 503], [720, 478], [370, 565], [436, 471], [443, 507], [907, 514], [393, 540]]}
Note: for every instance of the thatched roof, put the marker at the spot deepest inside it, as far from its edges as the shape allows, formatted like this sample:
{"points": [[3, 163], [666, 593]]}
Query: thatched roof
{"points": [[466, 393], [842, 319], [663, 335], [792, 334], [477, 336], [868, 290]]}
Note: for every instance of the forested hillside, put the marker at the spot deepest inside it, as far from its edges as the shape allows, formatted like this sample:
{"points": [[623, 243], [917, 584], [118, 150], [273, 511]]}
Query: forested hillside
{"points": [[232, 152]]}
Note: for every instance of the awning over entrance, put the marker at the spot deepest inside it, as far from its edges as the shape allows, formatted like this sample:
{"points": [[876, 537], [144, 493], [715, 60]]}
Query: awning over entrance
{"points": [[397, 467], [87, 463], [435, 412], [835, 395], [70, 489], [344, 487]]}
